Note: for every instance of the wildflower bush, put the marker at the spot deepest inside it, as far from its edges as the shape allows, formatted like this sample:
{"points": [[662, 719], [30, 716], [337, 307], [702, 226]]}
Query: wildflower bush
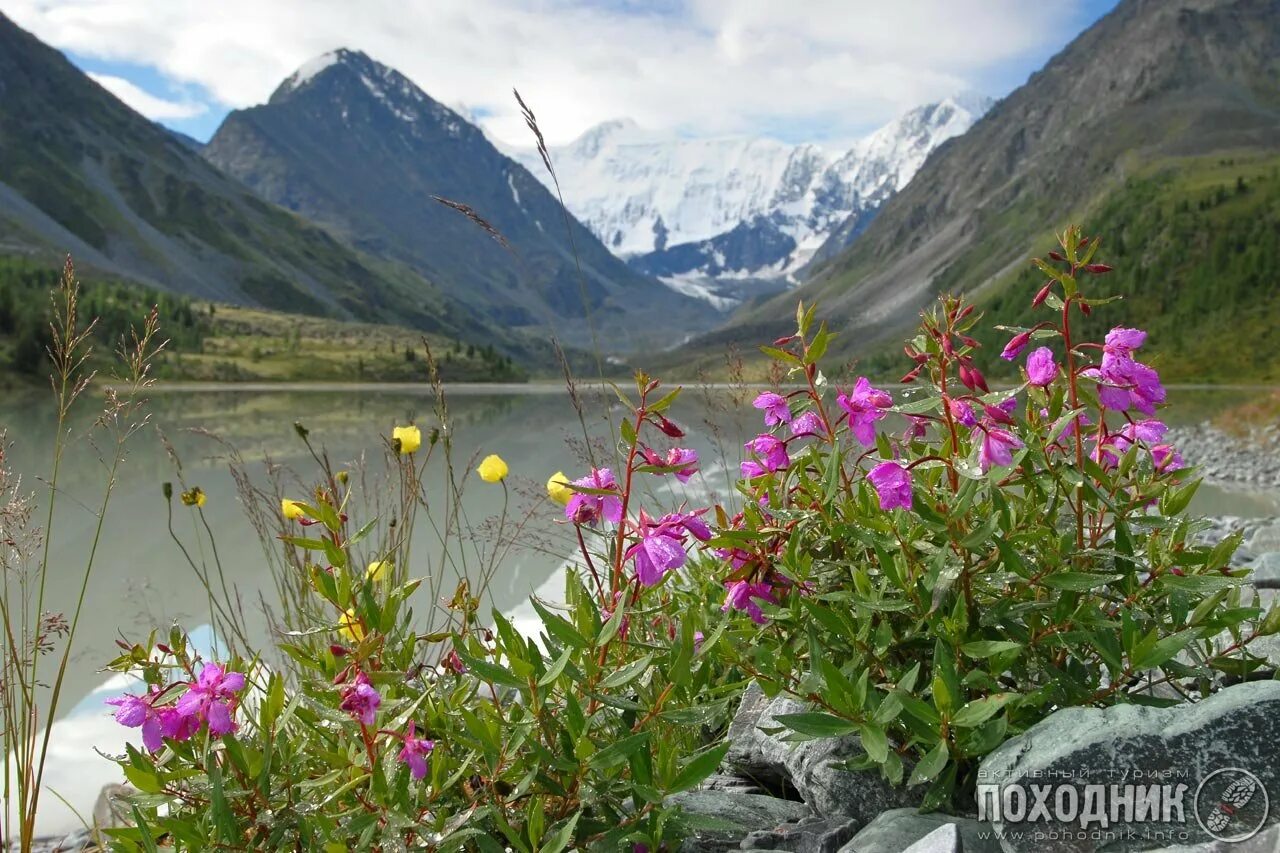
{"points": [[378, 732], [1009, 553], [933, 574]]}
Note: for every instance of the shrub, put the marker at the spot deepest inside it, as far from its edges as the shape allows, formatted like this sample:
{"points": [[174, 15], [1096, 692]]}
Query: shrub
{"points": [[449, 731], [1010, 553]]}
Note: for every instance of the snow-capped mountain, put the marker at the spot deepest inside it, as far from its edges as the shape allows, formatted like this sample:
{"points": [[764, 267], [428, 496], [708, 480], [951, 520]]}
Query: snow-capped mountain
{"points": [[739, 208]]}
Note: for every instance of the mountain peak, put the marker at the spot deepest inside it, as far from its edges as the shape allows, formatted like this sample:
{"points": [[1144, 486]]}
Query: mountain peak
{"points": [[322, 66]]}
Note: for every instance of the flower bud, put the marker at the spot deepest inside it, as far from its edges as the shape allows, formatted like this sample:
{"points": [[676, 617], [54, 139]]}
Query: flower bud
{"points": [[669, 428], [1015, 346], [1057, 256], [1042, 295], [911, 376], [1085, 309], [1097, 269], [997, 414], [783, 341]]}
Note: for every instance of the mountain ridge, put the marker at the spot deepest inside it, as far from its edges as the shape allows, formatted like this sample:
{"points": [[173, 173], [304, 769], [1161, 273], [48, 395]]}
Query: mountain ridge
{"points": [[1148, 80], [359, 148], [739, 207]]}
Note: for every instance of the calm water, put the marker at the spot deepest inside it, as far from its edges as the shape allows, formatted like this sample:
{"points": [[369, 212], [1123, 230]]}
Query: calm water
{"points": [[141, 580]]}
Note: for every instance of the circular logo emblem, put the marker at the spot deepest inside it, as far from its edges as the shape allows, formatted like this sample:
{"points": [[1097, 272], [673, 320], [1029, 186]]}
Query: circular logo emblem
{"points": [[1231, 804]]}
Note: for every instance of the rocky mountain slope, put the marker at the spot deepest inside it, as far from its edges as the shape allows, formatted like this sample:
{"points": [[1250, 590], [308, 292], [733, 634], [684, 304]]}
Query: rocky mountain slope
{"points": [[357, 147], [737, 208], [1143, 95], [80, 172]]}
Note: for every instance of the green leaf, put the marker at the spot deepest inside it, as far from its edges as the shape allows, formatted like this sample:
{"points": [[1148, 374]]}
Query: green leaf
{"points": [[559, 627], [1077, 581], [988, 648], [817, 724], [875, 742], [1164, 649], [617, 753], [487, 671], [699, 767], [223, 819], [979, 711], [931, 765], [562, 837], [556, 668], [621, 676]]}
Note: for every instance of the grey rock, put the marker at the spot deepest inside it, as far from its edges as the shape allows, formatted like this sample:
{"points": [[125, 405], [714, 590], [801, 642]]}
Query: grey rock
{"points": [[944, 839], [808, 835], [1265, 571], [810, 767], [1267, 841], [898, 830], [1178, 750], [1265, 538], [719, 820], [736, 784]]}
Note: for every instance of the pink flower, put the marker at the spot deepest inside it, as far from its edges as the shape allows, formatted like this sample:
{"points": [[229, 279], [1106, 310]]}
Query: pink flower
{"points": [[742, 595], [1041, 368], [590, 508], [775, 408], [892, 483], [660, 549], [962, 412], [1122, 342], [134, 711], [684, 460], [751, 469], [997, 447], [771, 450], [415, 752], [1015, 346], [361, 700], [808, 423], [209, 699], [453, 662], [865, 405], [1122, 381], [916, 428]]}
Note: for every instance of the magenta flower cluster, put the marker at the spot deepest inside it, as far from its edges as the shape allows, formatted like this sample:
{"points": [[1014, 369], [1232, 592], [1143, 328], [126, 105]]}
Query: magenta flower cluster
{"points": [[208, 702]]}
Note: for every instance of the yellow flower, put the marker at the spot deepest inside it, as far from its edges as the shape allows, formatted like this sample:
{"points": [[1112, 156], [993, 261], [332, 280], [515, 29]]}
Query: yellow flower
{"points": [[194, 496], [406, 438], [558, 488], [291, 509], [349, 627], [492, 469], [378, 570]]}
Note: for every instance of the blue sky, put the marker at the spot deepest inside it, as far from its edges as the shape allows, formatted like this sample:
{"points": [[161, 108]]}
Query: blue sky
{"points": [[832, 72]]}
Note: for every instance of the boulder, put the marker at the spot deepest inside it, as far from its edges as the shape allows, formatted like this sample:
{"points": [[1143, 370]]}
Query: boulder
{"points": [[899, 830], [718, 820], [808, 768], [1131, 777], [808, 835]]}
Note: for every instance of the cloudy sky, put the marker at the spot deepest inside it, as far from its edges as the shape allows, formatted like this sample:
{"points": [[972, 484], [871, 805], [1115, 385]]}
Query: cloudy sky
{"points": [[798, 70]]}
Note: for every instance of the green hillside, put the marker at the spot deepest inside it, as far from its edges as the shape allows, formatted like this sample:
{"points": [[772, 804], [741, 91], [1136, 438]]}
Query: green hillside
{"points": [[218, 342], [1196, 249]]}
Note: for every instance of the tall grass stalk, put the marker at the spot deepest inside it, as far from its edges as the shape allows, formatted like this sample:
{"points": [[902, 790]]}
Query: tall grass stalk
{"points": [[30, 633]]}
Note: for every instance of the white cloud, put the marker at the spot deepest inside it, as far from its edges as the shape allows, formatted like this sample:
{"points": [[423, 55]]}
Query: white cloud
{"points": [[703, 67], [146, 103]]}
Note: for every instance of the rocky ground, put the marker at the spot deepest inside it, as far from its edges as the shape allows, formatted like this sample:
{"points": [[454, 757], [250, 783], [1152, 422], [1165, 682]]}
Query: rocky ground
{"points": [[1252, 459]]}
